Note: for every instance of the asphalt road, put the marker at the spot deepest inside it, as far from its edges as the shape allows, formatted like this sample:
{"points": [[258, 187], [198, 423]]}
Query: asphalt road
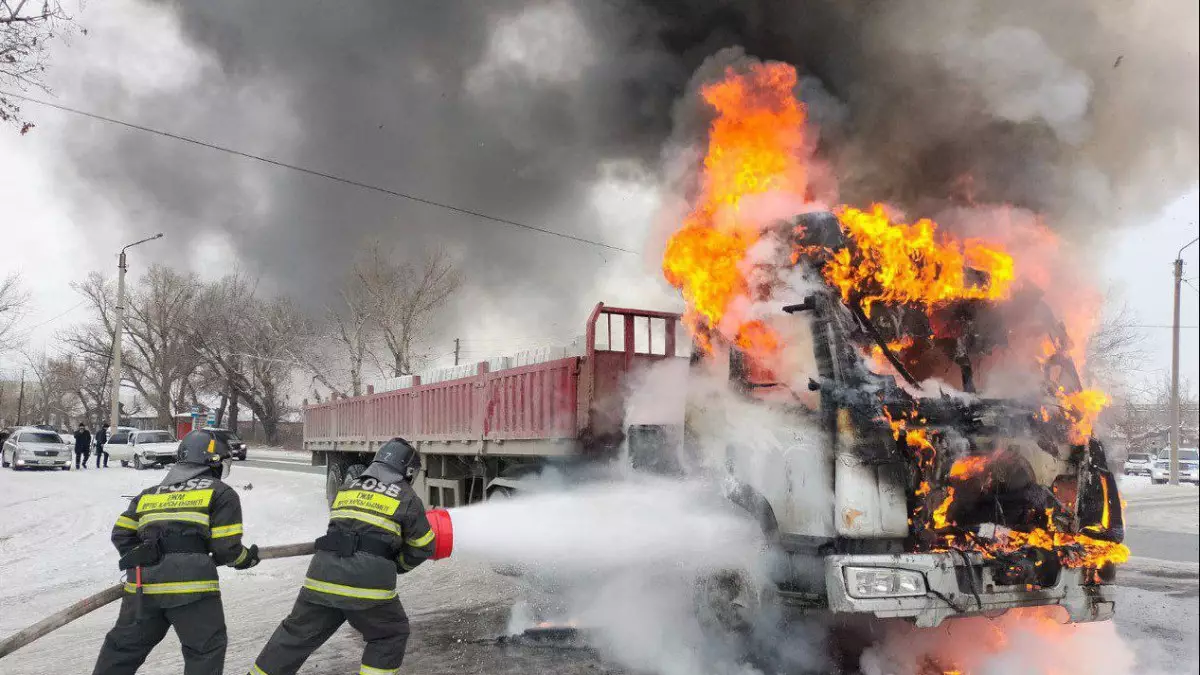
{"points": [[1162, 545], [280, 464]]}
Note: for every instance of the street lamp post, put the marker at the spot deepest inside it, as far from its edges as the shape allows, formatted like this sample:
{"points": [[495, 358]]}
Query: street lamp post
{"points": [[114, 413], [1175, 366]]}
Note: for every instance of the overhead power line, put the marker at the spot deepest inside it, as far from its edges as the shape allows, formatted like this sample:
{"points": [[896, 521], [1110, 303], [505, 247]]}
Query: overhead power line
{"points": [[319, 174], [58, 316]]}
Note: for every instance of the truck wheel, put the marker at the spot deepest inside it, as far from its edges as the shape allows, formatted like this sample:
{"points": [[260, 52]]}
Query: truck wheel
{"points": [[732, 600], [137, 462], [335, 474], [337, 471]]}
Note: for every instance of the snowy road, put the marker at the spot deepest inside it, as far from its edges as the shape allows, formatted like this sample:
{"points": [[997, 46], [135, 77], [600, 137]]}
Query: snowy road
{"points": [[54, 549], [281, 460]]}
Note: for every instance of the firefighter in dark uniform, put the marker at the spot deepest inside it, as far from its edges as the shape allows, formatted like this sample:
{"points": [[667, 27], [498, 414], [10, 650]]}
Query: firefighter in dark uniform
{"points": [[171, 539], [377, 529]]}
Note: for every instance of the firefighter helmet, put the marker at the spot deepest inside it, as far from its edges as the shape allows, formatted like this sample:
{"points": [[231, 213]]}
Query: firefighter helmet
{"points": [[400, 456], [204, 448]]}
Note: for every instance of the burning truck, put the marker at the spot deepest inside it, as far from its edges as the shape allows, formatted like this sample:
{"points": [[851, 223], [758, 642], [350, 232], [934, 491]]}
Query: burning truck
{"points": [[953, 434], [943, 501]]}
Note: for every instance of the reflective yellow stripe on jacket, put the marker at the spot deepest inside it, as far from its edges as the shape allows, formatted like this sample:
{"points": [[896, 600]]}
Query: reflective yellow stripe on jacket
{"points": [[126, 523], [226, 530], [255, 670], [421, 540], [369, 518], [181, 516], [349, 591], [205, 586]]}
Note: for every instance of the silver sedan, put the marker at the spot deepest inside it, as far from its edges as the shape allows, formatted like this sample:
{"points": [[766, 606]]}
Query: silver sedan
{"points": [[35, 449]]}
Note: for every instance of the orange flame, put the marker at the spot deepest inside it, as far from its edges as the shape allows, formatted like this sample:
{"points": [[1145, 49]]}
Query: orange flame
{"points": [[1082, 409], [907, 264], [968, 467], [754, 147], [939, 514], [879, 362]]}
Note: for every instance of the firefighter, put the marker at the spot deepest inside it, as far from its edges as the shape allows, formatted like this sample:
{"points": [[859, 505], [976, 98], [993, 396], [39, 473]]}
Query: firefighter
{"points": [[377, 529], [171, 539]]}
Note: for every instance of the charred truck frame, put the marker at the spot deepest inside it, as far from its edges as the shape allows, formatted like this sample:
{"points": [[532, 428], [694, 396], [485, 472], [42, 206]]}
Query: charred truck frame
{"points": [[943, 505]]}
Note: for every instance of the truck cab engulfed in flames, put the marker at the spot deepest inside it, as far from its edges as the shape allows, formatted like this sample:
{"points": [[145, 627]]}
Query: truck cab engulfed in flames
{"points": [[946, 502]]}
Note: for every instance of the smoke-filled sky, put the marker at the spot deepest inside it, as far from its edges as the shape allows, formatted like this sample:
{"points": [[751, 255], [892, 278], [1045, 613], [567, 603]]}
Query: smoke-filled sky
{"points": [[556, 114]]}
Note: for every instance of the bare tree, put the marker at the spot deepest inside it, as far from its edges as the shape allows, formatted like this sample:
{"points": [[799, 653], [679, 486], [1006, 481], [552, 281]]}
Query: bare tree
{"points": [[87, 378], [249, 342], [49, 392], [1115, 348], [402, 298], [26, 31], [351, 331], [160, 360], [13, 303]]}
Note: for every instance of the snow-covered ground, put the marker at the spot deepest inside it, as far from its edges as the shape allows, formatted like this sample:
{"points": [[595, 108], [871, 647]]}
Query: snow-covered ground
{"points": [[54, 550]]}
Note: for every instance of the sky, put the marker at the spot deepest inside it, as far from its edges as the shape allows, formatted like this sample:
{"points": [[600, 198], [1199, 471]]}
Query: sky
{"points": [[64, 214]]}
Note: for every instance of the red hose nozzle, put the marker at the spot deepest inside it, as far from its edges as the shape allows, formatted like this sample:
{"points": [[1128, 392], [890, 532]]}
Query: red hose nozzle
{"points": [[443, 532]]}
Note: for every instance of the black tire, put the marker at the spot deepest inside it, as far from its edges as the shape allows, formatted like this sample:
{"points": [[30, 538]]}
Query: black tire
{"points": [[3, 462], [138, 463], [339, 469], [65, 468], [335, 475]]}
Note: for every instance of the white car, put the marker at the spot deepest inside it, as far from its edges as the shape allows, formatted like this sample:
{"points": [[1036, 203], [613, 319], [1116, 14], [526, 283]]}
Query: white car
{"points": [[1189, 472], [143, 448], [1138, 463], [35, 449]]}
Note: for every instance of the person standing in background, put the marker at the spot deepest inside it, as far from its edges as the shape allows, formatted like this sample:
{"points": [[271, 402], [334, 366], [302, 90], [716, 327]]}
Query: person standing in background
{"points": [[83, 445], [101, 440]]}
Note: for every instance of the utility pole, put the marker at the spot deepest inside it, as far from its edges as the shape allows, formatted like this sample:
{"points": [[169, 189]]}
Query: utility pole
{"points": [[114, 413], [21, 400], [456, 351], [1174, 475]]}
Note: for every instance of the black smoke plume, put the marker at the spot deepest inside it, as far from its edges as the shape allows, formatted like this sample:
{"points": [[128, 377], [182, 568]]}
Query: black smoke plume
{"points": [[1084, 111]]}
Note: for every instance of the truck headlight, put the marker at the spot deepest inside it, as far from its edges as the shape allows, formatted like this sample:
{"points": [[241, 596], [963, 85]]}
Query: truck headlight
{"points": [[883, 582]]}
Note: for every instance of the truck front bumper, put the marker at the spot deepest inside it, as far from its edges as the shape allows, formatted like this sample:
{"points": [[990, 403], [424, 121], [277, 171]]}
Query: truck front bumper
{"points": [[960, 585]]}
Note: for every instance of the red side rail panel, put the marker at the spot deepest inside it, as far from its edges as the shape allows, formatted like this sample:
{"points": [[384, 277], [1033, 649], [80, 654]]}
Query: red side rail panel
{"points": [[560, 399], [536, 402]]}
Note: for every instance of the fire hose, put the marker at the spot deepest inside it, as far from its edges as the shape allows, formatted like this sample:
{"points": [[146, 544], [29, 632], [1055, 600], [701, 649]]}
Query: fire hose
{"points": [[439, 521]]}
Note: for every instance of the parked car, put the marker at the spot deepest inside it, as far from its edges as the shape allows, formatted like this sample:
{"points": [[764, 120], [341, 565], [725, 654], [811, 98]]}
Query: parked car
{"points": [[31, 448], [120, 436], [1189, 459], [1138, 464], [237, 445], [143, 448]]}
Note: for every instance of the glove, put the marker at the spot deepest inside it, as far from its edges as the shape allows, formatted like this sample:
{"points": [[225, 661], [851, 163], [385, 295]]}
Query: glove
{"points": [[250, 560]]}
